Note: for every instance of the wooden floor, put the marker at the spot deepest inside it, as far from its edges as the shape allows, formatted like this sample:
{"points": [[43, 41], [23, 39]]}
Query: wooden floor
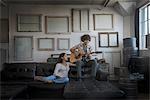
{"points": [[141, 96]]}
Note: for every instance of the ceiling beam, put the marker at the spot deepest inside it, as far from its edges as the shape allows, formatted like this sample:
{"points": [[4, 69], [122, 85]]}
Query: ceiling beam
{"points": [[3, 3], [106, 3]]}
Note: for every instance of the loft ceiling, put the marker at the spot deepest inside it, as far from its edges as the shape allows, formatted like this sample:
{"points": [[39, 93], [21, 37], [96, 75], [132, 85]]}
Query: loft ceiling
{"points": [[124, 7], [68, 2]]}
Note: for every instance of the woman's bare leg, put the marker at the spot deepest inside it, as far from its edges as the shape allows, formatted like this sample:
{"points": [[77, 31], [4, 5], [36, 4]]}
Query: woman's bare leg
{"points": [[41, 78]]}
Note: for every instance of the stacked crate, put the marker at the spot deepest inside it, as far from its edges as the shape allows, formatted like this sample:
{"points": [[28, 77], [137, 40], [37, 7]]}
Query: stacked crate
{"points": [[129, 50], [129, 87]]}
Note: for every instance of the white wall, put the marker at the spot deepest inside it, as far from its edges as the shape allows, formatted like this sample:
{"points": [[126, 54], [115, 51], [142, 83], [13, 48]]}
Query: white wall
{"points": [[127, 10], [128, 26], [59, 10], [4, 12]]}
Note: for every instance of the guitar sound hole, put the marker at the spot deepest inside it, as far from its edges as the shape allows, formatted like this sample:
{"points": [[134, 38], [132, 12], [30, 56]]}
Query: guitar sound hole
{"points": [[77, 57]]}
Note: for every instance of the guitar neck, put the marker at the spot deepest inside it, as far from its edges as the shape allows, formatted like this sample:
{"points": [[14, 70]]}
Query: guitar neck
{"points": [[96, 52]]}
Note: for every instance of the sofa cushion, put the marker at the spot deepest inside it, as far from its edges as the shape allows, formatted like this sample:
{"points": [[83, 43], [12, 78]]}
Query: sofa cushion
{"points": [[45, 69], [52, 60]]}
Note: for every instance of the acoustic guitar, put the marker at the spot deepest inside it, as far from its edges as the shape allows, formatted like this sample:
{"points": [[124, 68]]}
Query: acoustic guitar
{"points": [[78, 54]]}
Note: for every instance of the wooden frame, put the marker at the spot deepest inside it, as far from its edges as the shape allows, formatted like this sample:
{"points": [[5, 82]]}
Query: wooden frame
{"points": [[103, 40], [46, 44], [29, 23], [103, 21], [79, 21], [63, 43], [108, 39], [23, 48], [148, 41], [4, 30], [56, 24], [113, 39]]}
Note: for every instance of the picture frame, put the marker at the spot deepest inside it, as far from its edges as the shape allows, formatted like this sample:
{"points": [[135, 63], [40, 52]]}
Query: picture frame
{"points": [[56, 24], [63, 43], [4, 33], [23, 48], [108, 39], [46, 44], [80, 20], [100, 19], [113, 39], [103, 40], [29, 23], [76, 21]]}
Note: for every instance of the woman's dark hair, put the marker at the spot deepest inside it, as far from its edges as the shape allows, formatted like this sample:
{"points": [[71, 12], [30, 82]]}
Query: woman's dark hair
{"points": [[85, 37], [60, 57]]}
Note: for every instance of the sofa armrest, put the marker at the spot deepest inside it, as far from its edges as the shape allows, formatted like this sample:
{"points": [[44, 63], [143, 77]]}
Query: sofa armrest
{"points": [[19, 71]]}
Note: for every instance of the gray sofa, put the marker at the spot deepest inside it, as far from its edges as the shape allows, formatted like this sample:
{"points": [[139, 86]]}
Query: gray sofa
{"points": [[22, 74]]}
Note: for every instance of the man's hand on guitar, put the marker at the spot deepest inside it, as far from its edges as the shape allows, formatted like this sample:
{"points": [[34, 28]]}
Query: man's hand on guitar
{"points": [[76, 54]]}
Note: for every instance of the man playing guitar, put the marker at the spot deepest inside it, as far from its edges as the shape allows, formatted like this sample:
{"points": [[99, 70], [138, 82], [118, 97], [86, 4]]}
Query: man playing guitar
{"points": [[81, 56]]}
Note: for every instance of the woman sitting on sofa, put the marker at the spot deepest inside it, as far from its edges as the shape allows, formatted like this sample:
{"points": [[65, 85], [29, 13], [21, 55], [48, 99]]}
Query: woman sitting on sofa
{"points": [[60, 74]]}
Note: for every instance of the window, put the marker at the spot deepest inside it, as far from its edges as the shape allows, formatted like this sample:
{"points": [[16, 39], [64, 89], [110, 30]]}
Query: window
{"points": [[144, 25]]}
